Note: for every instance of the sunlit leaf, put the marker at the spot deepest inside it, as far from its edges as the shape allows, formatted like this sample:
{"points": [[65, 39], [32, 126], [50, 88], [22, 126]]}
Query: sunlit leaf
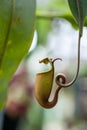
{"points": [[16, 33]]}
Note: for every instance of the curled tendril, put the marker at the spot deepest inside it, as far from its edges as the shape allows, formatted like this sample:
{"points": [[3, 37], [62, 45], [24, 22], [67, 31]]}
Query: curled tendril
{"points": [[61, 78]]}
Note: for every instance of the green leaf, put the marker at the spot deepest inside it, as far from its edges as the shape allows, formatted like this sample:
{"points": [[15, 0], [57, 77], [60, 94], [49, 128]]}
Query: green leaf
{"points": [[16, 32], [79, 10]]}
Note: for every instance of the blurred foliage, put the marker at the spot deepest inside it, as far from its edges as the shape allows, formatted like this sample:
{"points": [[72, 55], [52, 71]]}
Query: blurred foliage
{"points": [[43, 28], [33, 119], [60, 6], [55, 9], [46, 12]]}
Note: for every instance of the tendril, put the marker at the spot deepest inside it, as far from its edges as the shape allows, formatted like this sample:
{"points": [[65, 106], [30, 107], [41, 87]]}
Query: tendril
{"points": [[61, 78], [53, 60]]}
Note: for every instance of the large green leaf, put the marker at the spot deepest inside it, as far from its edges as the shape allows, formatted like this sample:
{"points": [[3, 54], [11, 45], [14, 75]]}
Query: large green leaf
{"points": [[79, 10], [16, 32]]}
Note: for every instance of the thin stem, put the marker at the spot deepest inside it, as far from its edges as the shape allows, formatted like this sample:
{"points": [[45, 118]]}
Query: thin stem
{"points": [[80, 15], [47, 15], [62, 77], [52, 15]]}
